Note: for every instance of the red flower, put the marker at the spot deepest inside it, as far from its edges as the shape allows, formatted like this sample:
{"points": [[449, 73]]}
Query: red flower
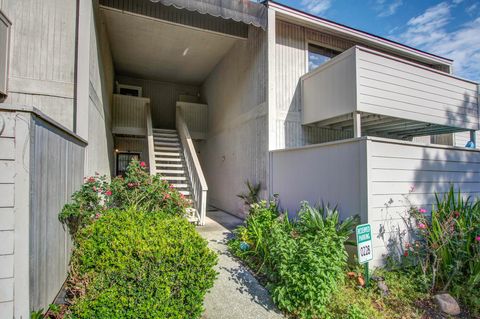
{"points": [[142, 164], [130, 185], [167, 196], [108, 193], [405, 253], [91, 179]]}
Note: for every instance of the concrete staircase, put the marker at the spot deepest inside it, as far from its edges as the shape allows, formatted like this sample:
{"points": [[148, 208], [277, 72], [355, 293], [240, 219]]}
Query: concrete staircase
{"points": [[169, 161]]}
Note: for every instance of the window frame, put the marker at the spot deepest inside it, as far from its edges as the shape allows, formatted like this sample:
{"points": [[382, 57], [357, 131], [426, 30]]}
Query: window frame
{"points": [[130, 87], [117, 156], [318, 44], [4, 20]]}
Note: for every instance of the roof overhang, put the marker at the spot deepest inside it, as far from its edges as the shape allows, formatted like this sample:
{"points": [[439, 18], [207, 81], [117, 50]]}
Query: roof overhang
{"points": [[244, 11], [302, 18]]}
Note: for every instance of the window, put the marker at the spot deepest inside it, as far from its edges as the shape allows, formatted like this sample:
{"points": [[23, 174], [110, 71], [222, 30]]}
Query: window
{"points": [[319, 55], [5, 26], [129, 90], [123, 160]]}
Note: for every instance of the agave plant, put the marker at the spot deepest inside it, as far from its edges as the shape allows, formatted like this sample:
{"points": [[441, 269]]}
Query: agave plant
{"points": [[252, 196]]}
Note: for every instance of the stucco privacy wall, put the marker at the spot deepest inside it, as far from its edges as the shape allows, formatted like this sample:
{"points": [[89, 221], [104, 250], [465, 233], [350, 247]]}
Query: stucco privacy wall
{"points": [[101, 84], [41, 164], [235, 149], [373, 177], [163, 98], [42, 56]]}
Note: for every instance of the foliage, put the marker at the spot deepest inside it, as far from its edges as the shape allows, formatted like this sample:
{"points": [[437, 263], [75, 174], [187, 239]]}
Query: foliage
{"points": [[252, 196], [137, 264], [137, 189], [36, 314], [303, 261], [447, 249]]}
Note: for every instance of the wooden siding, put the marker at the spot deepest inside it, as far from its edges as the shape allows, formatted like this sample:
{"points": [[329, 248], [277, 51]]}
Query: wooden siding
{"points": [[41, 165], [396, 168], [196, 118], [129, 115], [185, 17], [236, 147], [56, 172], [291, 64], [42, 56], [132, 144], [392, 87], [7, 217], [163, 98]]}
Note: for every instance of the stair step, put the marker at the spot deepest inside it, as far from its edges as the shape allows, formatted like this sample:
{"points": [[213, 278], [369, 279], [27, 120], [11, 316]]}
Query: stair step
{"points": [[164, 130], [180, 186], [165, 139], [168, 165], [167, 159], [171, 144], [185, 193], [170, 171], [174, 178], [165, 134], [167, 154], [168, 149]]}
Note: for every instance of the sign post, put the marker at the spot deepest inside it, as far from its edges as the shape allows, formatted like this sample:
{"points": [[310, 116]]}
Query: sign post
{"points": [[364, 247]]}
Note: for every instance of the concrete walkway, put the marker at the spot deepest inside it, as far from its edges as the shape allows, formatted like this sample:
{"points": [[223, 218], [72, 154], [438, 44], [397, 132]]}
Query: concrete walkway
{"points": [[236, 294]]}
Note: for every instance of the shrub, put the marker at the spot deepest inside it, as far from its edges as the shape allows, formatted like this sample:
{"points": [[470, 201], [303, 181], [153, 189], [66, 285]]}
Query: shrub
{"points": [[137, 189], [138, 264], [303, 261], [447, 249]]}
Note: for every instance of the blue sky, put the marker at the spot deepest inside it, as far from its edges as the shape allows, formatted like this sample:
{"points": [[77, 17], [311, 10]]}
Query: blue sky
{"points": [[449, 28]]}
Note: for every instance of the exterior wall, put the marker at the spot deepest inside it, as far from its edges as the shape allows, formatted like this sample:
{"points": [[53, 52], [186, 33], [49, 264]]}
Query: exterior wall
{"points": [[163, 98], [373, 177], [42, 56], [129, 115], [291, 64], [45, 165], [329, 173], [395, 167], [236, 145], [101, 81]]}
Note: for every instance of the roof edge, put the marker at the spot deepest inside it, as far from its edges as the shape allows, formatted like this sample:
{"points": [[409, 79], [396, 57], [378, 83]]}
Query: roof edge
{"points": [[359, 33]]}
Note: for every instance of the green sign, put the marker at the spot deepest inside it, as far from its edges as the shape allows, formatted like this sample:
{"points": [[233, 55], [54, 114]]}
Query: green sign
{"points": [[364, 243]]}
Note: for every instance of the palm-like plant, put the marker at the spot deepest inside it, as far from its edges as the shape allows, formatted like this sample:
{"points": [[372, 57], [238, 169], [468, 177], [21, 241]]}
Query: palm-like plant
{"points": [[252, 196]]}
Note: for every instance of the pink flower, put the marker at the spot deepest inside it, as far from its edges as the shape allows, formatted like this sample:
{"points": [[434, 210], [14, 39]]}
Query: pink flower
{"points": [[98, 215], [142, 164], [422, 226], [91, 179], [130, 185], [422, 210], [171, 186], [94, 188], [167, 196], [477, 238], [108, 193]]}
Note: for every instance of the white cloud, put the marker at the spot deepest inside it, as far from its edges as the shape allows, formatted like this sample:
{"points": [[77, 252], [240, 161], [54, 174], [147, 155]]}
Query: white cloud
{"points": [[315, 6], [387, 8], [428, 32], [471, 9]]}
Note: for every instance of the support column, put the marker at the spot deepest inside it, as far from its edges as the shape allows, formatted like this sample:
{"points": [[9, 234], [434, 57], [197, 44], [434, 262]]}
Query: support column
{"points": [[357, 124], [473, 138]]}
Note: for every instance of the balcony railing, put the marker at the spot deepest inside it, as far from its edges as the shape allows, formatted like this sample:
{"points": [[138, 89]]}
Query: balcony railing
{"points": [[397, 95]]}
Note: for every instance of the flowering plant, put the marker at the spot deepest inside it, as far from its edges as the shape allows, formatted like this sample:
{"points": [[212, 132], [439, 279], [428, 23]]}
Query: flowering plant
{"points": [[137, 189]]}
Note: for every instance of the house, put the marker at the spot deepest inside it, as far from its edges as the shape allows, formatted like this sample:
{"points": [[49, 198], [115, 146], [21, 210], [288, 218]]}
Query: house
{"points": [[212, 95]]}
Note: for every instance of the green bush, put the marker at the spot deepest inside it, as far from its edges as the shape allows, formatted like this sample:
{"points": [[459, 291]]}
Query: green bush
{"points": [[138, 264], [303, 260], [447, 249], [137, 189]]}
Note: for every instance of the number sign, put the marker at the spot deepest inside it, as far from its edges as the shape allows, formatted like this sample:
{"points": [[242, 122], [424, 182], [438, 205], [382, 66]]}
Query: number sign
{"points": [[364, 243]]}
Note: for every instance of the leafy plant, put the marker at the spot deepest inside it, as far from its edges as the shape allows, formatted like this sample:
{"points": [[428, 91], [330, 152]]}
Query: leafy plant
{"points": [[138, 264], [137, 189], [303, 260], [36, 314], [447, 249], [252, 196]]}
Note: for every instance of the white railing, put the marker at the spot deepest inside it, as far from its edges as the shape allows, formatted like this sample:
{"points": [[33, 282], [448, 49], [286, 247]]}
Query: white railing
{"points": [[198, 183], [151, 146]]}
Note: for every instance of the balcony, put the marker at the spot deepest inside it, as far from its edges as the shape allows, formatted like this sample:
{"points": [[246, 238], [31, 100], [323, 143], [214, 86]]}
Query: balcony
{"points": [[383, 95]]}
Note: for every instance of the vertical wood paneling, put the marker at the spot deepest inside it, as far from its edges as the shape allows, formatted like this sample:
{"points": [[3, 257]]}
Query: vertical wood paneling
{"points": [[42, 57], [163, 98], [236, 147], [196, 118], [58, 163], [129, 115]]}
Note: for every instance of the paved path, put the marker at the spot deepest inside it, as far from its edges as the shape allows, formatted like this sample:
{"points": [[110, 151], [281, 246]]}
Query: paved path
{"points": [[236, 294]]}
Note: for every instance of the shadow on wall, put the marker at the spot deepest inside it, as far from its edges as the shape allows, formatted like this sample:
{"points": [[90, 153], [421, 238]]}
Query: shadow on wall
{"points": [[433, 171]]}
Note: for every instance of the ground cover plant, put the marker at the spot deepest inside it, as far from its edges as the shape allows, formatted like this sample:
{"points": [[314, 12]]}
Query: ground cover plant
{"points": [[135, 255]]}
